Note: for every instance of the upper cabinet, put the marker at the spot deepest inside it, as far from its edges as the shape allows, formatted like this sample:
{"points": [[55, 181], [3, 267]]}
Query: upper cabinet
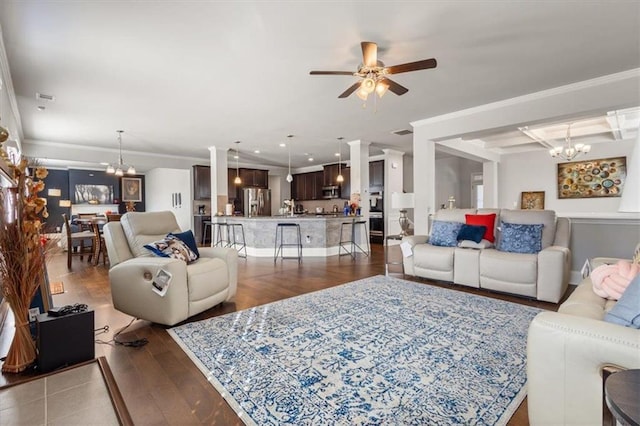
{"points": [[254, 178], [201, 182], [307, 186], [376, 174], [331, 173]]}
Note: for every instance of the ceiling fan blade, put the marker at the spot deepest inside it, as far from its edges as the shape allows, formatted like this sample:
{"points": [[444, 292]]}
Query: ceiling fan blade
{"points": [[412, 66], [369, 54], [350, 90], [331, 73], [395, 87]]}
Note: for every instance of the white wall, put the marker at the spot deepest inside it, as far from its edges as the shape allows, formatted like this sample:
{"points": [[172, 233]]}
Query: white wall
{"points": [[160, 184], [537, 171], [453, 177]]}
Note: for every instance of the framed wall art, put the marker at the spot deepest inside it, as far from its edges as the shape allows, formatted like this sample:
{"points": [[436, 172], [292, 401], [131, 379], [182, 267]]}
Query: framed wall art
{"points": [[131, 189], [533, 200], [93, 194], [604, 177]]}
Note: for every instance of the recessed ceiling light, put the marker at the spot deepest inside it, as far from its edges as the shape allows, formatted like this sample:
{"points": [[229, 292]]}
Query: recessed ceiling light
{"points": [[257, 151], [104, 164], [310, 158], [337, 154], [40, 108], [282, 145], [235, 157]]}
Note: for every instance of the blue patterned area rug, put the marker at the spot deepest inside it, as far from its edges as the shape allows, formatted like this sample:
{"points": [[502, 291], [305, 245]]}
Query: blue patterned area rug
{"points": [[376, 351]]}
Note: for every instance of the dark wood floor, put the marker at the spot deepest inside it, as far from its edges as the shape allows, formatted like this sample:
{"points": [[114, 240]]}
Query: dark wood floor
{"points": [[159, 383]]}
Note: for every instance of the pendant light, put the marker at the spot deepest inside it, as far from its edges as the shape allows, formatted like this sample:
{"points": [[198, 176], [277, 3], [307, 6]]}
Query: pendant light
{"points": [[289, 176], [237, 180], [340, 178]]}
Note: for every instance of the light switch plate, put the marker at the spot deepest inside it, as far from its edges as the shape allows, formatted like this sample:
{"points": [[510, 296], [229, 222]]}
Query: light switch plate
{"points": [[33, 313]]}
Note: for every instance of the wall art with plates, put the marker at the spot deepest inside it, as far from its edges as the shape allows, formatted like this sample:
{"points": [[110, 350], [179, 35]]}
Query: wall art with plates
{"points": [[591, 179]]}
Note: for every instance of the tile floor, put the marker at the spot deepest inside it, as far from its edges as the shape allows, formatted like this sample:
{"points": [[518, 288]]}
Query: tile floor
{"points": [[72, 397]]}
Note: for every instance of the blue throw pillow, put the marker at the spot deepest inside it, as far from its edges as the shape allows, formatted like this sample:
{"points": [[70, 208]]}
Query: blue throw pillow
{"points": [[627, 310], [472, 232], [173, 247], [518, 238], [188, 238], [444, 234]]}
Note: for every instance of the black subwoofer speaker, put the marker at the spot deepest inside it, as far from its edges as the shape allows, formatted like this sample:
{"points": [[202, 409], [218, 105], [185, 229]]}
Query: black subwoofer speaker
{"points": [[64, 340]]}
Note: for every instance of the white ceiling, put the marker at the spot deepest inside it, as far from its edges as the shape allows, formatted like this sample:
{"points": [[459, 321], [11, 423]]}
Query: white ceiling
{"points": [[181, 76]]}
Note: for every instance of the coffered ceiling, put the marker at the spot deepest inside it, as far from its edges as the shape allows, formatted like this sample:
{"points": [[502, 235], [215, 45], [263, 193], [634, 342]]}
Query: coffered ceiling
{"points": [[179, 77]]}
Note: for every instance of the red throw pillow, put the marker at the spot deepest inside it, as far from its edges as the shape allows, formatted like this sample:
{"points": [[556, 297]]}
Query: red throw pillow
{"points": [[487, 220]]}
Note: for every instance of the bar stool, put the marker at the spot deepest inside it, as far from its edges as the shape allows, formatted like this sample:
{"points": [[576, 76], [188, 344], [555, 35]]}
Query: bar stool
{"points": [[220, 235], [233, 240], [350, 246], [206, 224], [278, 250]]}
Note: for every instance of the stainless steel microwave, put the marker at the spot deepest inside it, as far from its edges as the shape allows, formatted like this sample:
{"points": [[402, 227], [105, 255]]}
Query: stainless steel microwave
{"points": [[332, 191]]}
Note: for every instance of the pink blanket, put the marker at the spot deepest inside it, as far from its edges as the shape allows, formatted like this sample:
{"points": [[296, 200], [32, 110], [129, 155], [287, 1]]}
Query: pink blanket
{"points": [[610, 281]]}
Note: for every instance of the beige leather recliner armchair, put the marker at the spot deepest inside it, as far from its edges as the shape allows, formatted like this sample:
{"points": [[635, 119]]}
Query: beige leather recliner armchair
{"points": [[566, 353], [196, 287]]}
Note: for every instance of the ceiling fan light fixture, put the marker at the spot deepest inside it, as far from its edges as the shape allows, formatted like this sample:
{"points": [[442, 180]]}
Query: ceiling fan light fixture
{"points": [[381, 88], [368, 85], [362, 94]]}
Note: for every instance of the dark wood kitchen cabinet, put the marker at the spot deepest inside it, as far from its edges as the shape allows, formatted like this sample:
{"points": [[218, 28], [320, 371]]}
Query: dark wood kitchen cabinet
{"points": [[345, 187], [376, 174], [307, 186], [331, 173], [254, 178], [201, 182]]}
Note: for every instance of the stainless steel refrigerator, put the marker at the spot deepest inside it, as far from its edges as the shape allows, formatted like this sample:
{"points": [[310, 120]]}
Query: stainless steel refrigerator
{"points": [[257, 202]]}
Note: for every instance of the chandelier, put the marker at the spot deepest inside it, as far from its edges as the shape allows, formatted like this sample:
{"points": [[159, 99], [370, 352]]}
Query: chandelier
{"points": [[569, 151], [118, 168]]}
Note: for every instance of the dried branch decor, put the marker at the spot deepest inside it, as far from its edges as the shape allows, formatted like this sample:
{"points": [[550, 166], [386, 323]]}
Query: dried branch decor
{"points": [[22, 259]]}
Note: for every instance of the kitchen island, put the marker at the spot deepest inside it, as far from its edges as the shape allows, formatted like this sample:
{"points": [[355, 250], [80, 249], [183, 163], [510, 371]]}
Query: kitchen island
{"points": [[320, 233]]}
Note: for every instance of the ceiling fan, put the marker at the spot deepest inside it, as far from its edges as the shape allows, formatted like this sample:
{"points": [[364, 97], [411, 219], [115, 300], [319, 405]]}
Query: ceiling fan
{"points": [[373, 73]]}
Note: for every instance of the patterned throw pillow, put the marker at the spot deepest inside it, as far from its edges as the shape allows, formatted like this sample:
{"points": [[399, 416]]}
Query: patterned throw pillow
{"points": [[444, 234], [518, 238], [188, 238], [173, 247]]}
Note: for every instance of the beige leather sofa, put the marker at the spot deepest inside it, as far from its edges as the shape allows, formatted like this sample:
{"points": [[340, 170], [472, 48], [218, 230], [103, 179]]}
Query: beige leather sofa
{"points": [[194, 287], [566, 352], [544, 276]]}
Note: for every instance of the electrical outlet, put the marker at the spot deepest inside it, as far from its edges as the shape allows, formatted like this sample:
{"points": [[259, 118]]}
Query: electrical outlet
{"points": [[308, 238], [33, 313]]}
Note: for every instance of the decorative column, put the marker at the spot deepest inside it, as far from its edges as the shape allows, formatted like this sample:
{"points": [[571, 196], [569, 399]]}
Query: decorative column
{"points": [[393, 182], [424, 180], [219, 179]]}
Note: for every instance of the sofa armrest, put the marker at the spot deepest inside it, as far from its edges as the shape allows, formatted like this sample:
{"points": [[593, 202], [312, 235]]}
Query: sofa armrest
{"points": [[565, 356], [553, 273], [230, 256], [412, 240], [415, 239], [132, 291]]}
